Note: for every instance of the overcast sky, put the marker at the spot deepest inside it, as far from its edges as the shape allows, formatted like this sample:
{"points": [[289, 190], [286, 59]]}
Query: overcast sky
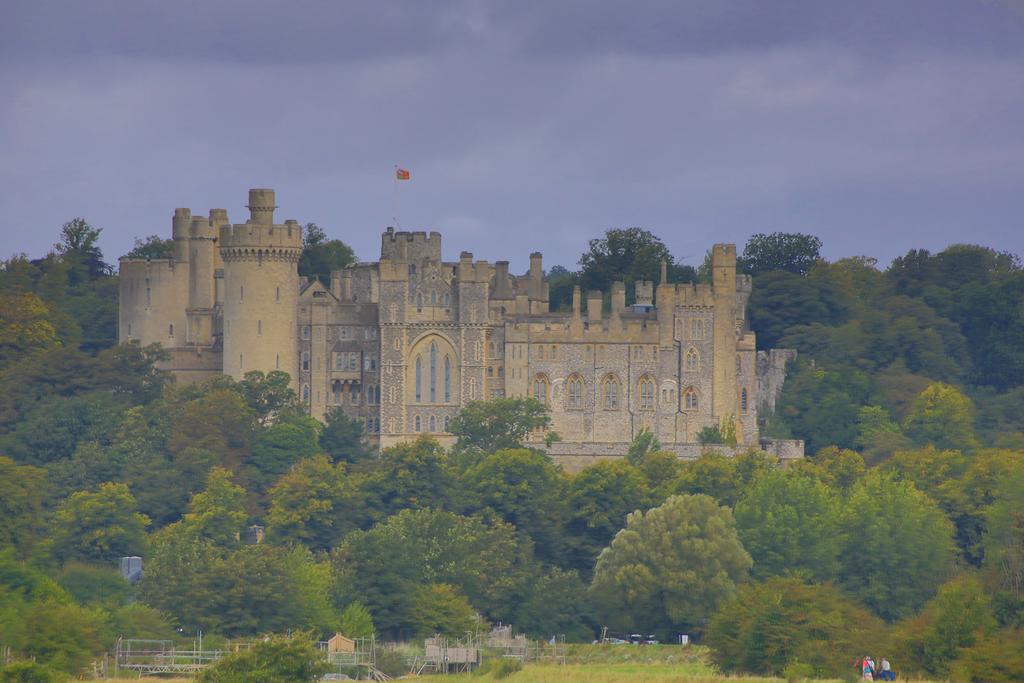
{"points": [[878, 125]]}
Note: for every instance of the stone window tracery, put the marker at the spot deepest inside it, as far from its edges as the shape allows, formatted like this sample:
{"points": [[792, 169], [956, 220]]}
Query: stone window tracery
{"points": [[541, 387], [692, 360], [690, 400], [433, 373], [646, 393], [419, 379], [574, 393], [447, 379], [610, 392]]}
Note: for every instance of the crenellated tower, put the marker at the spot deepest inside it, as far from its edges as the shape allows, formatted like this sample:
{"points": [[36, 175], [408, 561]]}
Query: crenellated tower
{"points": [[261, 285]]}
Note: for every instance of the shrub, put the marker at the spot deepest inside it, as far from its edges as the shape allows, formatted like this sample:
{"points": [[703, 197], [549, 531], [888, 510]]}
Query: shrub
{"points": [[499, 667], [277, 660], [27, 672]]}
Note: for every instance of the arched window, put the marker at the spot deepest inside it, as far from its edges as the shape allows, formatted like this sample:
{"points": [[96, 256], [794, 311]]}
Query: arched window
{"points": [[743, 399], [447, 379], [692, 360], [305, 393], [170, 330], [419, 423], [433, 423], [690, 399], [447, 420], [646, 394], [574, 393], [305, 360], [433, 373], [419, 379], [433, 298], [540, 388], [412, 269], [696, 328], [419, 303], [610, 392]]}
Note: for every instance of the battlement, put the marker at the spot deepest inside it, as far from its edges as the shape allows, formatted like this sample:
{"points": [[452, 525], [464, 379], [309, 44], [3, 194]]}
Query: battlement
{"points": [[245, 241], [410, 246]]}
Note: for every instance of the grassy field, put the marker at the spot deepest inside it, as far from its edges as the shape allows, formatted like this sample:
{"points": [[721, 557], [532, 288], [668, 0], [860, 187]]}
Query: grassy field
{"points": [[610, 673]]}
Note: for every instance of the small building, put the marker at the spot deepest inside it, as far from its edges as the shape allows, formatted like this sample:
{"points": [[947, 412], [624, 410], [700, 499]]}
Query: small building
{"points": [[340, 643], [131, 568]]}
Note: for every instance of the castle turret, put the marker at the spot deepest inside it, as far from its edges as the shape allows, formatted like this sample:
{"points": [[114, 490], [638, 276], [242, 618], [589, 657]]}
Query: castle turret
{"points": [[261, 286], [723, 282], [180, 226], [202, 265]]}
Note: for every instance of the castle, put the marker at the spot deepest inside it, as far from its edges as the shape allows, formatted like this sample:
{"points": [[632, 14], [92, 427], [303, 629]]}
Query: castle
{"points": [[401, 344]]}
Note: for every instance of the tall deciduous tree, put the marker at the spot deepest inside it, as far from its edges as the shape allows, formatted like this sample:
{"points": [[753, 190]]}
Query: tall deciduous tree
{"points": [[489, 426], [321, 256], [314, 504], [792, 252], [943, 417], [897, 546], [342, 437], [789, 523], [99, 525], [671, 567]]}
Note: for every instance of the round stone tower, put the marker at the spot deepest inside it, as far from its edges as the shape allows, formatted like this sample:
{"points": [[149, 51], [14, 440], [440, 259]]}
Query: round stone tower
{"points": [[261, 289]]}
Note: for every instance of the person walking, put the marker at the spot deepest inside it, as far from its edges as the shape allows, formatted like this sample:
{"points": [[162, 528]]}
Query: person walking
{"points": [[887, 672], [868, 669]]}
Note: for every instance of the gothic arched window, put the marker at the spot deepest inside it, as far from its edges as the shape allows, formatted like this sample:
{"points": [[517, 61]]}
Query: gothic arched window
{"points": [[540, 388], [743, 399], [447, 379], [690, 401], [610, 392], [646, 393], [419, 379], [692, 360], [433, 373], [419, 303], [574, 393], [433, 423], [419, 423]]}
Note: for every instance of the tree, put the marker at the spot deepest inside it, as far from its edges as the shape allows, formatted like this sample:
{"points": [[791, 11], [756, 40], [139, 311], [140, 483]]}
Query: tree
{"points": [[26, 327], [252, 589], [998, 658], [384, 567], [320, 256], [671, 567], [100, 526], [267, 394], [644, 443], [411, 475], [597, 501], [523, 488], [766, 628], [281, 445], [557, 604], [356, 621], [957, 617], [897, 547], [440, 608], [628, 255], [150, 248], [314, 504], [22, 489], [837, 468], [342, 437], [789, 523], [878, 435], [217, 514], [781, 301], [943, 417], [273, 660], [489, 426], [792, 252], [1004, 549], [78, 246]]}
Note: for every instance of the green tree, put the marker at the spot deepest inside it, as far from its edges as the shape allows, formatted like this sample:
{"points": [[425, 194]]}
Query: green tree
{"points": [[523, 488], [268, 394], [272, 660], [878, 435], [897, 547], [281, 445], [101, 525], [217, 514], [789, 523], [384, 567], [356, 621], [628, 254], [489, 426], [235, 592], [957, 617], [1004, 548], [440, 608], [998, 658], [644, 443], [671, 567], [597, 501], [770, 626], [943, 417], [320, 256], [410, 475], [342, 437], [22, 490], [152, 247], [792, 252], [78, 246], [26, 327], [781, 300], [314, 504]]}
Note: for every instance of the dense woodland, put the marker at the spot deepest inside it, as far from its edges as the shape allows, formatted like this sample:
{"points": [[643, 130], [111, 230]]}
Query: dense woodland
{"points": [[902, 533]]}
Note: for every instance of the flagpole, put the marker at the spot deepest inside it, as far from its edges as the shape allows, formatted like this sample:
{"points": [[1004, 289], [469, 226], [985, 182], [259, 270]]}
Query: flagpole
{"points": [[394, 197]]}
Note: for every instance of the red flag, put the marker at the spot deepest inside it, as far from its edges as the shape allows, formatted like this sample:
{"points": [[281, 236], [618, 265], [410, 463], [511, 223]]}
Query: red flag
{"points": [[401, 174]]}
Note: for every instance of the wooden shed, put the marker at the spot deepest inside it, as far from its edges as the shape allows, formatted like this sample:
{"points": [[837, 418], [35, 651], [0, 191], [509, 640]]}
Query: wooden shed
{"points": [[339, 643]]}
